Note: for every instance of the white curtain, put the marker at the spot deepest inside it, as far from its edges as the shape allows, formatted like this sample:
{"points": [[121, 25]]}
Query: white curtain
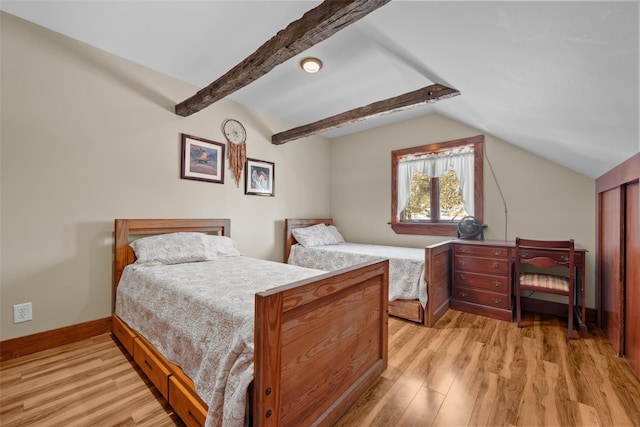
{"points": [[435, 165]]}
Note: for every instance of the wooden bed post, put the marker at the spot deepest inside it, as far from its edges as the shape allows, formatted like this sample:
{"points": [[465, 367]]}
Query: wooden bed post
{"points": [[121, 247], [267, 360]]}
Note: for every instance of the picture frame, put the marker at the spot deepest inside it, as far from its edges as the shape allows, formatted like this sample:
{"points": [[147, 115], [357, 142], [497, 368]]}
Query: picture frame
{"points": [[202, 159], [259, 178]]}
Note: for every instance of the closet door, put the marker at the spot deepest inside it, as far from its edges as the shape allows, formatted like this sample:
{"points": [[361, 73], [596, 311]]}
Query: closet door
{"points": [[610, 261], [632, 277]]}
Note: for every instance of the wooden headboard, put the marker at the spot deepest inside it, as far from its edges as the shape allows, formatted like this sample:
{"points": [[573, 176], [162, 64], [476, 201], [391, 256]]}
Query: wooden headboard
{"points": [[292, 223], [126, 228]]}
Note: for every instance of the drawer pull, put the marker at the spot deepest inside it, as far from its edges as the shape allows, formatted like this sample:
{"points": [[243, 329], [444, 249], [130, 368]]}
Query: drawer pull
{"points": [[496, 283], [496, 252], [524, 255], [148, 364], [464, 250], [463, 276], [497, 300], [462, 294], [463, 262], [565, 257], [496, 265]]}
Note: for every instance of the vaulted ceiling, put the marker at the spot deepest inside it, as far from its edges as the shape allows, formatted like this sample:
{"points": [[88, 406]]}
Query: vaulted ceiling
{"points": [[560, 79]]}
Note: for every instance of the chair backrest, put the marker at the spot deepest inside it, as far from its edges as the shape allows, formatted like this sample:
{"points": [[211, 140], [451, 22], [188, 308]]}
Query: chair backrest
{"points": [[545, 254]]}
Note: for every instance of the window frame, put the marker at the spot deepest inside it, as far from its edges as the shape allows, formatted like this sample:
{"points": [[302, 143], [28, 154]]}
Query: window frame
{"points": [[437, 228]]}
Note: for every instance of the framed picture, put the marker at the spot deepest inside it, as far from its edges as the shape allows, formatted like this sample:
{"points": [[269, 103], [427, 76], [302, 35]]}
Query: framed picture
{"points": [[259, 178], [202, 159]]}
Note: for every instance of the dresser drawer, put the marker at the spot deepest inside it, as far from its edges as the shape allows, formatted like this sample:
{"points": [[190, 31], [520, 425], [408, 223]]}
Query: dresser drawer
{"points": [[124, 334], [477, 296], [407, 309], [189, 409], [482, 251], [499, 284], [151, 366], [481, 265]]}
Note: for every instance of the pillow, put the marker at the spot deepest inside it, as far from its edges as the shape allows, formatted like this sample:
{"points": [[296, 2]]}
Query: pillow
{"points": [[335, 233], [315, 235], [171, 248], [219, 246]]}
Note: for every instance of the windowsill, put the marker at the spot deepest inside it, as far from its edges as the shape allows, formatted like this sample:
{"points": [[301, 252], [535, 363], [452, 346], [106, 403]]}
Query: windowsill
{"points": [[426, 229]]}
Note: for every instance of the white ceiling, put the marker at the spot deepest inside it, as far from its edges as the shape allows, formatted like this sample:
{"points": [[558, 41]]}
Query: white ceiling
{"points": [[559, 79]]}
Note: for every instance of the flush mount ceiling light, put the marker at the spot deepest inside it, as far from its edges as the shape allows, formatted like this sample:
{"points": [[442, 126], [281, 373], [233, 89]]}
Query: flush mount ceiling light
{"points": [[311, 65]]}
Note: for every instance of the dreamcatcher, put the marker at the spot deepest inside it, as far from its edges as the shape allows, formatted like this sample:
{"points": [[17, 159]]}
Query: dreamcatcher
{"points": [[237, 153]]}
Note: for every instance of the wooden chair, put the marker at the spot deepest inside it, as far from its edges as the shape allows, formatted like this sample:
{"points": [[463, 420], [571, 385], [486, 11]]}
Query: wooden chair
{"points": [[545, 255]]}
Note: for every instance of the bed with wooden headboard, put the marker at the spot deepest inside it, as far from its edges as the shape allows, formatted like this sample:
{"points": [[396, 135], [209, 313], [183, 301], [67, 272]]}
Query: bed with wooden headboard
{"points": [[309, 316], [437, 275]]}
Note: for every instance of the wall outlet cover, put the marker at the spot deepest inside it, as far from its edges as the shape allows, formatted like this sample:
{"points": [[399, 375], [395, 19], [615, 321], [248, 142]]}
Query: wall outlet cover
{"points": [[22, 312]]}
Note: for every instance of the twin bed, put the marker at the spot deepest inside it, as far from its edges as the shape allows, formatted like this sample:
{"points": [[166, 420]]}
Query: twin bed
{"points": [[230, 340], [299, 345], [419, 278]]}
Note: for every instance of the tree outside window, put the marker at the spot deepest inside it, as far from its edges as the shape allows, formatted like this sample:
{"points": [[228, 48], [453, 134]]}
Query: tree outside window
{"points": [[448, 204]]}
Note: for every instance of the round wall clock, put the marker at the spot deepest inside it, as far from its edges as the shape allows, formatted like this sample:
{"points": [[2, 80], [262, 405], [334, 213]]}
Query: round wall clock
{"points": [[234, 131]]}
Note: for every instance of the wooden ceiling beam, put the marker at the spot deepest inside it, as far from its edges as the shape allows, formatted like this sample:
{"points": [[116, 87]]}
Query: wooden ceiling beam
{"points": [[426, 95], [316, 25]]}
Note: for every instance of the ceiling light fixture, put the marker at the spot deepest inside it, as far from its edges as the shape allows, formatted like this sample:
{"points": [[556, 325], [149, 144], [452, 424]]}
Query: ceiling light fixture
{"points": [[311, 65]]}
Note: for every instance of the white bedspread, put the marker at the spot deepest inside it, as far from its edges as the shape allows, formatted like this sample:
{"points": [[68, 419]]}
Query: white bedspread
{"points": [[406, 265], [200, 316]]}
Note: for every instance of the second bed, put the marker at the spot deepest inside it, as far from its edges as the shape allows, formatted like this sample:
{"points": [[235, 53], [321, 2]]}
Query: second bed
{"points": [[419, 278]]}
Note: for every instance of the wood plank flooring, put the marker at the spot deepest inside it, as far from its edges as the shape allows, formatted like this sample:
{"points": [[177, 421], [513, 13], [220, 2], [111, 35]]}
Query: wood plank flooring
{"points": [[467, 371]]}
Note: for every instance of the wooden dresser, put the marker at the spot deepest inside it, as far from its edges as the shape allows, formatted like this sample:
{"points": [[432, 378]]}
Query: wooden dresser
{"points": [[481, 278]]}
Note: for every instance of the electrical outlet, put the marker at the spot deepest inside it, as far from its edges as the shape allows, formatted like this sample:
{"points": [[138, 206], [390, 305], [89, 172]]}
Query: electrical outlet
{"points": [[22, 312]]}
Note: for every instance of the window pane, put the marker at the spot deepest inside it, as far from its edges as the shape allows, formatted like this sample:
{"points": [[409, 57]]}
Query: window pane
{"points": [[419, 204], [451, 206]]}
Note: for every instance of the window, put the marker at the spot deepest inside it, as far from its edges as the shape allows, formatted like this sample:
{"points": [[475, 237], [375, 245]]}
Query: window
{"points": [[434, 186]]}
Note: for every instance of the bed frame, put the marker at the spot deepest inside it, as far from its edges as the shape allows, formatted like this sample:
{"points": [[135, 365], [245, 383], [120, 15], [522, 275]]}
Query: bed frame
{"points": [[329, 331], [437, 259]]}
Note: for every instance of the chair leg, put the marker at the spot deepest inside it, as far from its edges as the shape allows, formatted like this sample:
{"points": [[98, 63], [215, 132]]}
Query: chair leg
{"points": [[518, 308], [571, 300]]}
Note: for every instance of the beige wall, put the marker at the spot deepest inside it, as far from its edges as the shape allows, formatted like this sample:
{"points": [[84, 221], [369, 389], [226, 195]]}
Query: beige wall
{"points": [[544, 200], [87, 137]]}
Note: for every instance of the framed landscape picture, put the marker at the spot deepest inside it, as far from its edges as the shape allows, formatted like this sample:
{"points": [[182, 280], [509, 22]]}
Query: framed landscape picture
{"points": [[259, 177], [202, 159]]}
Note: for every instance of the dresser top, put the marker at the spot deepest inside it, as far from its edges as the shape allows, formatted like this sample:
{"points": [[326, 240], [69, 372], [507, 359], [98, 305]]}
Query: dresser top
{"points": [[500, 243]]}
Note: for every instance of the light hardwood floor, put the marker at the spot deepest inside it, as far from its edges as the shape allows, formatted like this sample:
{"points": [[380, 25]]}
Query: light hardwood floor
{"points": [[467, 371]]}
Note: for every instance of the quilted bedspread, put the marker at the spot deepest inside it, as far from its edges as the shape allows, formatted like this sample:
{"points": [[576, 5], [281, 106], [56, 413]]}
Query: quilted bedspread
{"points": [[406, 265], [200, 316]]}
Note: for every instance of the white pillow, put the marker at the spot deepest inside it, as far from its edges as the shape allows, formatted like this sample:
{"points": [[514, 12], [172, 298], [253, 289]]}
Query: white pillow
{"points": [[335, 233], [171, 248], [220, 246], [315, 235]]}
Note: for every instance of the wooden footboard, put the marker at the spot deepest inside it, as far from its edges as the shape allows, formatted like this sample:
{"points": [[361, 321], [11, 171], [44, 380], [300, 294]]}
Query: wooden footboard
{"points": [[437, 270], [319, 343]]}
